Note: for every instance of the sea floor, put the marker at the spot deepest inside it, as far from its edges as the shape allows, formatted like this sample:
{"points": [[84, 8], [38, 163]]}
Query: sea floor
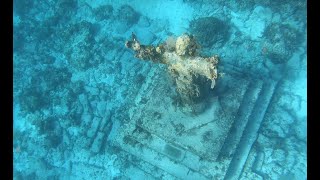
{"points": [[85, 108]]}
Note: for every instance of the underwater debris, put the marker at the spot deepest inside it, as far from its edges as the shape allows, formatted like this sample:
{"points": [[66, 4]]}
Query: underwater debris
{"points": [[184, 64]]}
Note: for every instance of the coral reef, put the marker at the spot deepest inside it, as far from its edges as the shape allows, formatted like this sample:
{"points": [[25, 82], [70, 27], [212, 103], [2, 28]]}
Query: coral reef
{"points": [[183, 63], [210, 31], [103, 12], [44, 89], [281, 41], [128, 15], [79, 45]]}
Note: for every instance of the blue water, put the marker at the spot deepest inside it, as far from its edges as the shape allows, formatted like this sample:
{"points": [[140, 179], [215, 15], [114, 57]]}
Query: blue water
{"points": [[86, 108]]}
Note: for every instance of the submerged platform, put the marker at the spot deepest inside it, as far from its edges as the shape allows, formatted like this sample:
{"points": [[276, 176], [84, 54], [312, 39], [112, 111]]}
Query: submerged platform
{"points": [[215, 144]]}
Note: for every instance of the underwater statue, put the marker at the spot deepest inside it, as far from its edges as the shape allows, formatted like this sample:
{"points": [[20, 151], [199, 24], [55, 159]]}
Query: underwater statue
{"points": [[183, 62]]}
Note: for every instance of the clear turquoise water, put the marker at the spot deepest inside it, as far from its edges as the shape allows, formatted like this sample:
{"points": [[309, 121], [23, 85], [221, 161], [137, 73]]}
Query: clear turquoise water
{"points": [[76, 86]]}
